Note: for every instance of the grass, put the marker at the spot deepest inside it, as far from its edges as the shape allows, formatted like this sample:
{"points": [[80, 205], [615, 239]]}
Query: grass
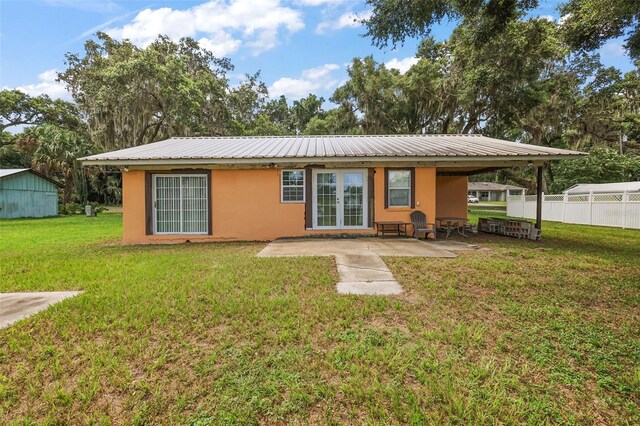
{"points": [[489, 208], [493, 203], [200, 334]]}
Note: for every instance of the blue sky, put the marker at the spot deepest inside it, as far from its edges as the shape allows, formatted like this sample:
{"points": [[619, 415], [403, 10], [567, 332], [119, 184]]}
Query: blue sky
{"points": [[300, 46]]}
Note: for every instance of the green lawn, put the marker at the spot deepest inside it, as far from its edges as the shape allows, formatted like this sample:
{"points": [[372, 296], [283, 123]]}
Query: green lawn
{"points": [[204, 334]]}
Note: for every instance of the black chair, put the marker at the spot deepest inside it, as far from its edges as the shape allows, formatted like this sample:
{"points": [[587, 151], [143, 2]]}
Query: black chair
{"points": [[419, 221]]}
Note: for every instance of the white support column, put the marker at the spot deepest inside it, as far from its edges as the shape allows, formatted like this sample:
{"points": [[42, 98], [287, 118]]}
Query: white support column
{"points": [[565, 200]]}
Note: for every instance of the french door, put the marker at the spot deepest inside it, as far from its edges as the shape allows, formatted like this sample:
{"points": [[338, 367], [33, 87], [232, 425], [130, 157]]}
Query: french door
{"points": [[340, 199]]}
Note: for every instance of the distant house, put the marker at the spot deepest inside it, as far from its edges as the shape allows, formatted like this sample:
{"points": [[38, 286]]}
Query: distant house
{"points": [[490, 191], [27, 193], [604, 188]]}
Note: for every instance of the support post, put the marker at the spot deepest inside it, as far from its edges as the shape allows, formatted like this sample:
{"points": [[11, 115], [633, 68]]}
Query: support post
{"points": [[539, 199]]}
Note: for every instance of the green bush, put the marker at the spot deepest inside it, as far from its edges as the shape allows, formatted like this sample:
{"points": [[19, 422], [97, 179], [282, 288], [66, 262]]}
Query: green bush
{"points": [[97, 208], [70, 208]]}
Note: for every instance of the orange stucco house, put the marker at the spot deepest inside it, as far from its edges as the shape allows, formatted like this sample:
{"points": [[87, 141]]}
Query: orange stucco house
{"points": [[263, 188]]}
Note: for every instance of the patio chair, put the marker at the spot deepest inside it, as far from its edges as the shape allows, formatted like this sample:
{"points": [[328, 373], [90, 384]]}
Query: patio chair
{"points": [[419, 221]]}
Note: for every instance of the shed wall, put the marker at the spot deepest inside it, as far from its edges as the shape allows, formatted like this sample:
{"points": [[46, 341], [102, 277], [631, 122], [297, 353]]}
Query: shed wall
{"points": [[27, 195]]}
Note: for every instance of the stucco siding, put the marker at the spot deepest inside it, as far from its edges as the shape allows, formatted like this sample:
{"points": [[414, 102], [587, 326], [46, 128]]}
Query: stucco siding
{"points": [[451, 197], [245, 206]]}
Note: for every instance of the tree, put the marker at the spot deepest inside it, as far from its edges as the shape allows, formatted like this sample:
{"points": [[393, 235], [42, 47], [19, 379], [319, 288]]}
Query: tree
{"points": [[19, 109], [393, 21], [133, 96], [602, 165], [588, 24], [374, 92], [245, 102], [56, 156], [278, 113], [526, 85], [305, 109], [337, 121]]}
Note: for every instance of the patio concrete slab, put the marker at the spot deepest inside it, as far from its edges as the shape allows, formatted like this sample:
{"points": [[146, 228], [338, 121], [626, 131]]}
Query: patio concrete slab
{"points": [[335, 246], [16, 306], [361, 269], [373, 288]]}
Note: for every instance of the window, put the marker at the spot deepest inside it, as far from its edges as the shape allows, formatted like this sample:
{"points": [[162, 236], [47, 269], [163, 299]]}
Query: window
{"points": [[292, 186], [399, 185], [181, 204]]}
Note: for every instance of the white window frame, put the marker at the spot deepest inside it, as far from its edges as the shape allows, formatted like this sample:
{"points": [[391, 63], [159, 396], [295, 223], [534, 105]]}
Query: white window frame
{"points": [[389, 189], [155, 209], [304, 185], [340, 195]]}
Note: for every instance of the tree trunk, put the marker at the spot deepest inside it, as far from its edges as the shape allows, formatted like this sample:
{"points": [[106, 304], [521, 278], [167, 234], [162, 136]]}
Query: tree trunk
{"points": [[511, 175]]}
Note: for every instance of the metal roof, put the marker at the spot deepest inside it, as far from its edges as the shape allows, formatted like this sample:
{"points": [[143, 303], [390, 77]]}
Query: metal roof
{"points": [[267, 149], [604, 188], [10, 172], [490, 186]]}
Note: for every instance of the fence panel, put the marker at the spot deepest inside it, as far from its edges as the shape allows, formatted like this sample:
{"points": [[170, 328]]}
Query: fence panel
{"points": [[576, 211], [617, 210], [552, 208], [632, 211], [515, 206]]}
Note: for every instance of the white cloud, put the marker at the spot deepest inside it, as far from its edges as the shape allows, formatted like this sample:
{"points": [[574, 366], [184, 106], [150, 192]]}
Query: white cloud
{"points": [[346, 20], [564, 18], [402, 65], [220, 44], [47, 86], [547, 18], [311, 80], [613, 48], [223, 25]]}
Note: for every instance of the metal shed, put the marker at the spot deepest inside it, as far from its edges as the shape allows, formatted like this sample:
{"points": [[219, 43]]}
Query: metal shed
{"points": [[604, 188], [27, 193]]}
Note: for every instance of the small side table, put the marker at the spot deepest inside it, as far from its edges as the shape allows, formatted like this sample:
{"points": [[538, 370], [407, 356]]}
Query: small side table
{"points": [[385, 227]]}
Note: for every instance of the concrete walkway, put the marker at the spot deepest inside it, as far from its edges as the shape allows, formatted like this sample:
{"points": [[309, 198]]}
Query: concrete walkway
{"points": [[360, 267], [16, 306]]}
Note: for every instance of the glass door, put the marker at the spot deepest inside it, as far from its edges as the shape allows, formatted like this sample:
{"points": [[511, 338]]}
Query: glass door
{"points": [[181, 204], [326, 200], [353, 199], [339, 199]]}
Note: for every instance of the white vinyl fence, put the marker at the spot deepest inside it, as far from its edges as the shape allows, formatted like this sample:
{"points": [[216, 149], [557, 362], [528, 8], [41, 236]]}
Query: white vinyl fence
{"points": [[618, 210]]}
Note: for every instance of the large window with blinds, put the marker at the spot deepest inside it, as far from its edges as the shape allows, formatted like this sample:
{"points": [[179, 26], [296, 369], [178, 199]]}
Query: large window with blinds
{"points": [[181, 204]]}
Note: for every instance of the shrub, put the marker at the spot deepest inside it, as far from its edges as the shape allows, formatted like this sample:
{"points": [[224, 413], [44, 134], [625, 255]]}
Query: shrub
{"points": [[69, 209]]}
